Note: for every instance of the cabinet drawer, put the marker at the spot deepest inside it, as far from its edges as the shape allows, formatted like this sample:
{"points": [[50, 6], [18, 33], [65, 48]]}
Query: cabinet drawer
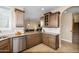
{"points": [[5, 45], [33, 37], [52, 36], [45, 35]]}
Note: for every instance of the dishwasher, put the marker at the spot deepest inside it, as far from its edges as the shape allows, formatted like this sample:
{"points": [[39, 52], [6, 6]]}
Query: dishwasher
{"points": [[19, 44]]}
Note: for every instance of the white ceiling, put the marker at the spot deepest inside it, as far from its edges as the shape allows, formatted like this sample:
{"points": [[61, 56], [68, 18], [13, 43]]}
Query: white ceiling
{"points": [[35, 12], [74, 9]]}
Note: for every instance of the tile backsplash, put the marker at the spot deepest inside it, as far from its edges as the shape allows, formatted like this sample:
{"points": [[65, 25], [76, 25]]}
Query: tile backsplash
{"points": [[5, 32], [51, 30]]}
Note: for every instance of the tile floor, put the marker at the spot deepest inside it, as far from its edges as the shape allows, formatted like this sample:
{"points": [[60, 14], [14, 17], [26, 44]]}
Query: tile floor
{"points": [[65, 48]]}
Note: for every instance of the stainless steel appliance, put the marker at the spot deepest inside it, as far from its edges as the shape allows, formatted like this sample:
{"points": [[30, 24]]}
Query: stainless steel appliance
{"points": [[19, 44]]}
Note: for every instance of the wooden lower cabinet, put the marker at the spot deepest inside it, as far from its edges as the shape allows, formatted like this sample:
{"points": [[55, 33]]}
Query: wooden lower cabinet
{"points": [[54, 41], [45, 39], [33, 40], [5, 46], [51, 40]]}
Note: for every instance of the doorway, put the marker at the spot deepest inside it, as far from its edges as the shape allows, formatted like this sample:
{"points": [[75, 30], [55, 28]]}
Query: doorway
{"points": [[75, 29], [70, 25]]}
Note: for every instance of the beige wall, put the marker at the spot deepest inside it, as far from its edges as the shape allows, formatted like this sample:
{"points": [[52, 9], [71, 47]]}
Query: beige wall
{"points": [[33, 24], [42, 21]]}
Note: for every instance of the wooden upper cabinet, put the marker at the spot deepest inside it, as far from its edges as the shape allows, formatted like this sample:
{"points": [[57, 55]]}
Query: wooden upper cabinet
{"points": [[47, 18], [52, 19], [19, 18]]}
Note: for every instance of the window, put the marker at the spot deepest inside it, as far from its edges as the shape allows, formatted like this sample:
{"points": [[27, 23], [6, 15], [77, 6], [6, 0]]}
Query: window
{"points": [[5, 18]]}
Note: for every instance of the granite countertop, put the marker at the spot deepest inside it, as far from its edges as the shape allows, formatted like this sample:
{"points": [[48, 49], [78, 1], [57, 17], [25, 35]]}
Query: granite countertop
{"points": [[55, 34], [13, 35], [27, 33]]}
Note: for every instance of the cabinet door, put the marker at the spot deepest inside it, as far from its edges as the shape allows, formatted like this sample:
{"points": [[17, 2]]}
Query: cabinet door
{"points": [[54, 20], [46, 39], [5, 45], [38, 38], [19, 18], [29, 42], [54, 42], [33, 40]]}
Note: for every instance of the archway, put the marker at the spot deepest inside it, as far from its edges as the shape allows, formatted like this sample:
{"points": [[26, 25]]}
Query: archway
{"points": [[68, 24]]}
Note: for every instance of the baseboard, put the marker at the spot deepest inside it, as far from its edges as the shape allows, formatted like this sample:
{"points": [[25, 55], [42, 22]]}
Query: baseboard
{"points": [[67, 40]]}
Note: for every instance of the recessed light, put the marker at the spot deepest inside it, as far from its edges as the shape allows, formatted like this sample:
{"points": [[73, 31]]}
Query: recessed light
{"points": [[42, 9]]}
